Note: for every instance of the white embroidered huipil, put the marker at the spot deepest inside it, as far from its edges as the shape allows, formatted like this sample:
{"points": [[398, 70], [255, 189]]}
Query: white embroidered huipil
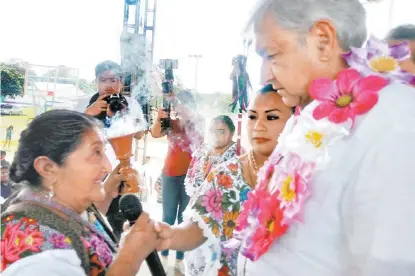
{"points": [[360, 218]]}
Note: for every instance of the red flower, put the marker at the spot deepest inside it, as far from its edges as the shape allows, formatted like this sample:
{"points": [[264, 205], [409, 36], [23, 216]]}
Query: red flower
{"points": [[233, 167], [10, 244], [349, 95], [29, 221], [223, 271], [8, 218], [270, 218], [224, 180]]}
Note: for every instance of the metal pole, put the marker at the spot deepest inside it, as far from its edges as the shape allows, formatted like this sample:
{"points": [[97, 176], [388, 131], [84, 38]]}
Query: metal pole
{"points": [[391, 8], [197, 57]]}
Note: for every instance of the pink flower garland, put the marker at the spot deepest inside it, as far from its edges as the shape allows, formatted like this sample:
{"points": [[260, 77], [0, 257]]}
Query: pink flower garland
{"points": [[283, 183]]}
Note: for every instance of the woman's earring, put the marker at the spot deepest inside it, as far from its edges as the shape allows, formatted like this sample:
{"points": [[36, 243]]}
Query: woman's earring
{"points": [[50, 194]]}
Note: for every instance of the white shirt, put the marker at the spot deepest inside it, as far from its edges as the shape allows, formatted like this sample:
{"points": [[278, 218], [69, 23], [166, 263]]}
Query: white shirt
{"points": [[360, 219]]}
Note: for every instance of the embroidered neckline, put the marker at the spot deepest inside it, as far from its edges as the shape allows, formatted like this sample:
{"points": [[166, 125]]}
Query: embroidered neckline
{"points": [[91, 227]]}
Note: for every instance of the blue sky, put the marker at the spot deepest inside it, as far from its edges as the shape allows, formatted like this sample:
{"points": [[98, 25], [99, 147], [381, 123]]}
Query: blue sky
{"points": [[81, 33]]}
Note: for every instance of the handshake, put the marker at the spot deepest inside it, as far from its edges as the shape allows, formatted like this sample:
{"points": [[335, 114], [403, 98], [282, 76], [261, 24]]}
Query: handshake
{"points": [[156, 235], [137, 243]]}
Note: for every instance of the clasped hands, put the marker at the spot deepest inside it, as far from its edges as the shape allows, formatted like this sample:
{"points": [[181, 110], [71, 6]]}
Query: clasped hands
{"points": [[161, 233]]}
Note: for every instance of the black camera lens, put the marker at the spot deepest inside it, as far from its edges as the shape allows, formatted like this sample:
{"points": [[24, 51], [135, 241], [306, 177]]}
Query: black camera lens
{"points": [[116, 102]]}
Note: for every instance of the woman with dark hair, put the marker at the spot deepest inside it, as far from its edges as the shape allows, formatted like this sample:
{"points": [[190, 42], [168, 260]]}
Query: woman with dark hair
{"points": [[45, 230], [212, 212], [218, 149]]}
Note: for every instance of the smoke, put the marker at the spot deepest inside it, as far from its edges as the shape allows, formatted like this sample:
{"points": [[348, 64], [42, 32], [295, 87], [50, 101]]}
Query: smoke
{"points": [[137, 67]]}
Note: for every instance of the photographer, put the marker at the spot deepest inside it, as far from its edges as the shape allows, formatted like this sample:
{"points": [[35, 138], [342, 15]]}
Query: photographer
{"points": [[184, 136], [101, 106]]}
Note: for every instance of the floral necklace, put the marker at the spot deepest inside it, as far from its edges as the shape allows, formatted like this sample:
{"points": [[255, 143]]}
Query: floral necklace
{"points": [[284, 181]]}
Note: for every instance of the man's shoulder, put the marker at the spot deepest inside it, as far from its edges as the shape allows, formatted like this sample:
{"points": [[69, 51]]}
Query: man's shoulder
{"points": [[394, 111], [395, 105]]}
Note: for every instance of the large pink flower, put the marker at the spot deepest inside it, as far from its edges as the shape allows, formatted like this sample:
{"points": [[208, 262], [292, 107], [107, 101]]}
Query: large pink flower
{"points": [[292, 185], [349, 95], [212, 201]]}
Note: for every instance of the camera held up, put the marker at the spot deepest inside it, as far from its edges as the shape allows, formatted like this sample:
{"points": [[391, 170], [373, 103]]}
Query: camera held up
{"points": [[168, 65], [116, 102]]}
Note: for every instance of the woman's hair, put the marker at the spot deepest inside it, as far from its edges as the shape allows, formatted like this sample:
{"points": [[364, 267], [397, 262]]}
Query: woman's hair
{"points": [[54, 134], [268, 88], [226, 120]]}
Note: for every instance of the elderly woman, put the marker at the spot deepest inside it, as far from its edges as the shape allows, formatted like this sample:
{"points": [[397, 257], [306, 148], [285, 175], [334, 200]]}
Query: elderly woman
{"points": [[211, 215], [324, 205], [45, 229]]}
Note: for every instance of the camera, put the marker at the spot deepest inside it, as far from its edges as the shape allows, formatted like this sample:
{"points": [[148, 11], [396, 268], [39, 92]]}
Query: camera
{"points": [[168, 65], [116, 102]]}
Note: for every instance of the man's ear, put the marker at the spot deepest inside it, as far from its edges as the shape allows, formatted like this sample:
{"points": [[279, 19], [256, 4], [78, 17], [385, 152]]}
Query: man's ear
{"points": [[326, 42]]}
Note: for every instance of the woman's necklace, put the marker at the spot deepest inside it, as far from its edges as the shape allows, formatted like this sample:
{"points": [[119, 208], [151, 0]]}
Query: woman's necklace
{"points": [[252, 167], [252, 162]]}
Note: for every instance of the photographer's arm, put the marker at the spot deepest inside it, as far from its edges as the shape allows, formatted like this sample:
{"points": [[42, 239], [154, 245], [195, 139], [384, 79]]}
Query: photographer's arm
{"points": [[156, 130]]}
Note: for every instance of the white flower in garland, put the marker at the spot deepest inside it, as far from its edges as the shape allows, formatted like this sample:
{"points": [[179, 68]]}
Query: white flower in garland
{"points": [[311, 138]]}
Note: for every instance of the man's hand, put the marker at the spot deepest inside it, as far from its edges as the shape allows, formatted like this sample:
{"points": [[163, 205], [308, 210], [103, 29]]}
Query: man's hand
{"points": [[98, 106]]}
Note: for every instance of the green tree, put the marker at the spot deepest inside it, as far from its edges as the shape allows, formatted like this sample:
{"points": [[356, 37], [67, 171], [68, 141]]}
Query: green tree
{"points": [[12, 80]]}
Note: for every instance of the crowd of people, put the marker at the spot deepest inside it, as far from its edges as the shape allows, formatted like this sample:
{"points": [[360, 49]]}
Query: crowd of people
{"points": [[325, 187]]}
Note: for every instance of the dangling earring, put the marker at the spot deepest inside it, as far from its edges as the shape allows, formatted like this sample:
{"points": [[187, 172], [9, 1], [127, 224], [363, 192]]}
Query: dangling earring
{"points": [[50, 194]]}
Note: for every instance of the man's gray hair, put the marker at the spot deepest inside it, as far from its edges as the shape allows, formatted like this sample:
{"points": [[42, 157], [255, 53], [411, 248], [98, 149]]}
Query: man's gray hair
{"points": [[348, 16]]}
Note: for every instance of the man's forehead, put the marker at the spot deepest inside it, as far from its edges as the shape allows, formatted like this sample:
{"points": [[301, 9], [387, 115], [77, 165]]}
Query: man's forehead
{"points": [[110, 74]]}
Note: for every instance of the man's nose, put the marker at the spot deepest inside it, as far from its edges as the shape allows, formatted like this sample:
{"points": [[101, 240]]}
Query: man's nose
{"points": [[266, 73]]}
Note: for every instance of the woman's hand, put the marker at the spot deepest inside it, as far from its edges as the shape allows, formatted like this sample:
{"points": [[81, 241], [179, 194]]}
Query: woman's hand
{"points": [[165, 235], [136, 244], [113, 181], [164, 232]]}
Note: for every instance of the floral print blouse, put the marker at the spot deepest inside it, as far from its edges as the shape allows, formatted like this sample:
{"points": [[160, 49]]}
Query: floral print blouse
{"points": [[202, 163], [215, 208]]}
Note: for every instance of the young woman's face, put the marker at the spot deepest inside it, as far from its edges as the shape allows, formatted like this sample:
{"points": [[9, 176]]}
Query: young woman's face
{"points": [[267, 115], [219, 134], [81, 175]]}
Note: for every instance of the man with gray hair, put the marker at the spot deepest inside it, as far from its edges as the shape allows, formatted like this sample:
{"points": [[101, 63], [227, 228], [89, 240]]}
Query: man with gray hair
{"points": [[341, 199], [401, 34]]}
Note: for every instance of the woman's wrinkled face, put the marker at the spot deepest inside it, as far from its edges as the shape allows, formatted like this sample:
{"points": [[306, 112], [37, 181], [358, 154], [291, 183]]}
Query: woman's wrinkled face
{"points": [[267, 115], [219, 134], [81, 175]]}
